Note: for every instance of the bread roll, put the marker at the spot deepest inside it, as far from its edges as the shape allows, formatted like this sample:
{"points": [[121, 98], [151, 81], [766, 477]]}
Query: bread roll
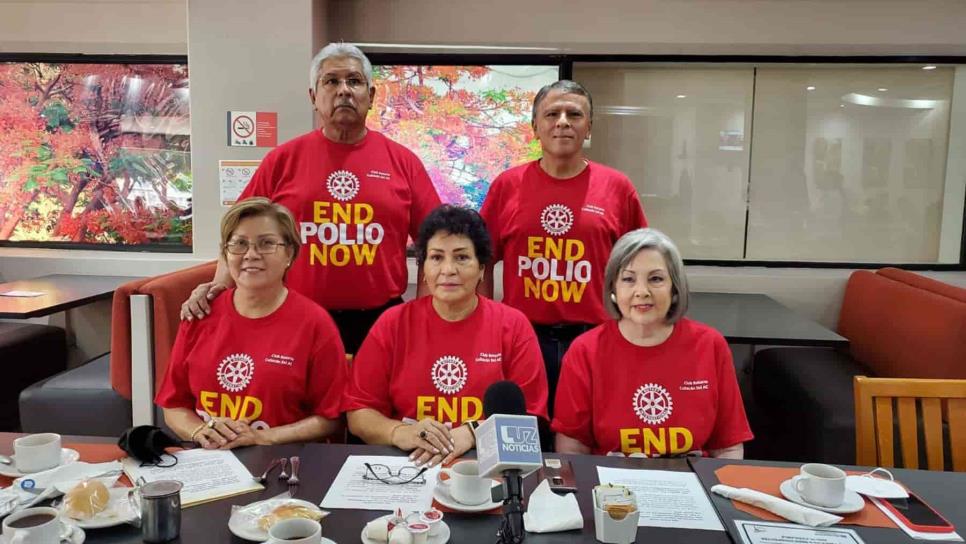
{"points": [[288, 510], [86, 499], [400, 535]]}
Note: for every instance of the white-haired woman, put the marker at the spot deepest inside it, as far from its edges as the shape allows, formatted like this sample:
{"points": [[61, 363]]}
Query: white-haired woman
{"points": [[650, 381], [356, 196]]}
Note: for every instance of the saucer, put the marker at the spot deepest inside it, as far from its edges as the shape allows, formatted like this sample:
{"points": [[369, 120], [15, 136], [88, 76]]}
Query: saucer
{"points": [[67, 455], [444, 498], [248, 529], [119, 511], [441, 538], [77, 535], [853, 502]]}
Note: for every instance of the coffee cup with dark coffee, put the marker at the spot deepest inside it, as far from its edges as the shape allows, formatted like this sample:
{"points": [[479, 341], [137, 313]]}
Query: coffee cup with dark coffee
{"points": [[34, 526]]}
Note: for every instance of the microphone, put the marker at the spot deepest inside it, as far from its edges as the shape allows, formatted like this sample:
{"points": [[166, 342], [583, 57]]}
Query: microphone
{"points": [[508, 443]]}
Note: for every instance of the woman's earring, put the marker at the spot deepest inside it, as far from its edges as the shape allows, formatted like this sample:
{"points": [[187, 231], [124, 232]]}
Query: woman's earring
{"points": [[613, 298]]}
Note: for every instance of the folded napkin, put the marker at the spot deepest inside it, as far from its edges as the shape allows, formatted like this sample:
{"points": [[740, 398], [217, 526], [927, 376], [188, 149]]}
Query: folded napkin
{"points": [[67, 476], [548, 512], [780, 507]]}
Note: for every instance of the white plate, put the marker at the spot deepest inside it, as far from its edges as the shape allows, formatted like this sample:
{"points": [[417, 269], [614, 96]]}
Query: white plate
{"points": [[441, 538], [853, 502], [443, 497], [77, 535], [119, 511], [67, 455], [251, 531]]}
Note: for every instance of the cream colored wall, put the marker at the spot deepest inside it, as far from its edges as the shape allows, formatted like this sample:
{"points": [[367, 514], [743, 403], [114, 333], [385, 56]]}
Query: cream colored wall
{"points": [[94, 26], [253, 54], [774, 27]]}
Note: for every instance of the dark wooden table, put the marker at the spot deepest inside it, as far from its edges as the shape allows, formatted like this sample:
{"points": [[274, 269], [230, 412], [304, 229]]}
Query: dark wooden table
{"points": [[944, 491], [752, 318], [61, 292], [208, 523]]}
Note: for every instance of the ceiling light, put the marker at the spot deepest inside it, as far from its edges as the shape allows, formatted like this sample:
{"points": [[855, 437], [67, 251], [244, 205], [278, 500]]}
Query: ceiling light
{"points": [[841, 105], [929, 67], [810, 88], [882, 89], [681, 96]]}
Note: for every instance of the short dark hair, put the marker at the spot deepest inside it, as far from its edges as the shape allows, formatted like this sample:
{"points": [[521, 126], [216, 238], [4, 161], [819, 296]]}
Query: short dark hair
{"points": [[459, 221], [565, 86]]}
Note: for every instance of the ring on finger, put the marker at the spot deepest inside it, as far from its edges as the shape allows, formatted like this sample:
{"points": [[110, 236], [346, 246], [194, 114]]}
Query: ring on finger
{"points": [[211, 423], [423, 434]]}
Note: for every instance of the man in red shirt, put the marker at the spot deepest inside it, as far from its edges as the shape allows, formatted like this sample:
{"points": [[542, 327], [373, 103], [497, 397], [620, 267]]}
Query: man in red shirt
{"points": [[553, 222], [356, 197]]}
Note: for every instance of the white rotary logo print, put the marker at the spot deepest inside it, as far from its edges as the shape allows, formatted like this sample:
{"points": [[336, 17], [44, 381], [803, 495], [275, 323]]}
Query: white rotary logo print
{"points": [[343, 185], [449, 374], [556, 219], [653, 403], [235, 372]]}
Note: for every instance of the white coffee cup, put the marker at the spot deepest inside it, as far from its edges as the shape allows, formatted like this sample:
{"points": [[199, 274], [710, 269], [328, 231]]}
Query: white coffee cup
{"points": [[36, 452], [465, 485], [295, 531], [820, 484], [34, 526]]}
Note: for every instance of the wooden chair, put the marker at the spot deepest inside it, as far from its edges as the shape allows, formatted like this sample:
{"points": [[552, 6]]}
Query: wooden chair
{"points": [[940, 400]]}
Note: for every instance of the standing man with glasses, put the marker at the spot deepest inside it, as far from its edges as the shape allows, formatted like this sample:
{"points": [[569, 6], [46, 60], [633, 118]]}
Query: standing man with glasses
{"points": [[553, 222], [356, 196]]}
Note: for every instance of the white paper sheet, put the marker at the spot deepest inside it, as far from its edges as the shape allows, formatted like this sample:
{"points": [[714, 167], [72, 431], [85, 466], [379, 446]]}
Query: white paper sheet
{"points": [[22, 294], [351, 490], [206, 474], [764, 532], [666, 498]]}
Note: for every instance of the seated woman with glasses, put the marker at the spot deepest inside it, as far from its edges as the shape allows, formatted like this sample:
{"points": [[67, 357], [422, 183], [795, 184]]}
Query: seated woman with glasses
{"points": [[267, 366], [422, 371], [650, 381]]}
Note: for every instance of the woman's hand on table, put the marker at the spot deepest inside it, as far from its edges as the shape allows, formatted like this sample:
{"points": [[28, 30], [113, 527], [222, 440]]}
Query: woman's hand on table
{"points": [[227, 433], [427, 435], [463, 441]]}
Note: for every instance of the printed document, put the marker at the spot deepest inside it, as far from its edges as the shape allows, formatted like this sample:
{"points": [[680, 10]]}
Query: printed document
{"points": [[352, 489], [764, 532], [666, 498], [207, 475]]}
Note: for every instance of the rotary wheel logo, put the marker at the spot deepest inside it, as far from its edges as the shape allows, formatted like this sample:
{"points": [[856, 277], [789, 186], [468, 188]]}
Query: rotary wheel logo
{"points": [[235, 372], [343, 185], [653, 403], [449, 374], [556, 219]]}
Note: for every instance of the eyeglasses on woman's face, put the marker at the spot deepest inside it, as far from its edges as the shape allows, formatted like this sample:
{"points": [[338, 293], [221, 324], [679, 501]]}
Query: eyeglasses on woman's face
{"points": [[263, 246]]}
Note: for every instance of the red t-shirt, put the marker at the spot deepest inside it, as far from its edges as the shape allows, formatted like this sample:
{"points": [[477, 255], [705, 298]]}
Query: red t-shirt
{"points": [[669, 399], [416, 365], [554, 237], [273, 370], [354, 206]]}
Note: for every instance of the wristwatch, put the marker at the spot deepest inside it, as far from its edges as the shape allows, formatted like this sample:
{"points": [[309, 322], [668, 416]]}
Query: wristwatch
{"points": [[473, 426]]}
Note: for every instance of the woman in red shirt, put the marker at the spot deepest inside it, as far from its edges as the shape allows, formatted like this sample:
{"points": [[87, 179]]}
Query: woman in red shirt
{"points": [[650, 381], [267, 365], [422, 372]]}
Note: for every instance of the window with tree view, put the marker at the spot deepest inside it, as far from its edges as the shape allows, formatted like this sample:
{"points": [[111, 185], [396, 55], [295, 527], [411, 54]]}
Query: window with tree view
{"points": [[466, 123], [95, 155]]}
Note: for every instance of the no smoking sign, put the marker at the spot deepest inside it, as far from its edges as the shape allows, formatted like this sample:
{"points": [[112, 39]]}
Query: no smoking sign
{"points": [[252, 129]]}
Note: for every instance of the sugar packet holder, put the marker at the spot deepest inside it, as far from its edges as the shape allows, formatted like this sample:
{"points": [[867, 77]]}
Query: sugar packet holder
{"points": [[615, 514]]}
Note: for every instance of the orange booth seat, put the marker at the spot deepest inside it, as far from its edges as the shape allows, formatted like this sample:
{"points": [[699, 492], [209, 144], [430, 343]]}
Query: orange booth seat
{"points": [[899, 325], [144, 323]]}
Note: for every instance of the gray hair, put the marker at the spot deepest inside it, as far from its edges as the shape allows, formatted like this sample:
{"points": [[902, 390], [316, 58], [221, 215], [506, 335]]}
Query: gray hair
{"points": [[627, 248], [565, 86], [339, 50]]}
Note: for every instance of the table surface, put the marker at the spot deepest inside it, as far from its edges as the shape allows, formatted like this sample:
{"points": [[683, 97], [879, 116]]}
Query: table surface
{"points": [[61, 292], [321, 463], [752, 318], [944, 491]]}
